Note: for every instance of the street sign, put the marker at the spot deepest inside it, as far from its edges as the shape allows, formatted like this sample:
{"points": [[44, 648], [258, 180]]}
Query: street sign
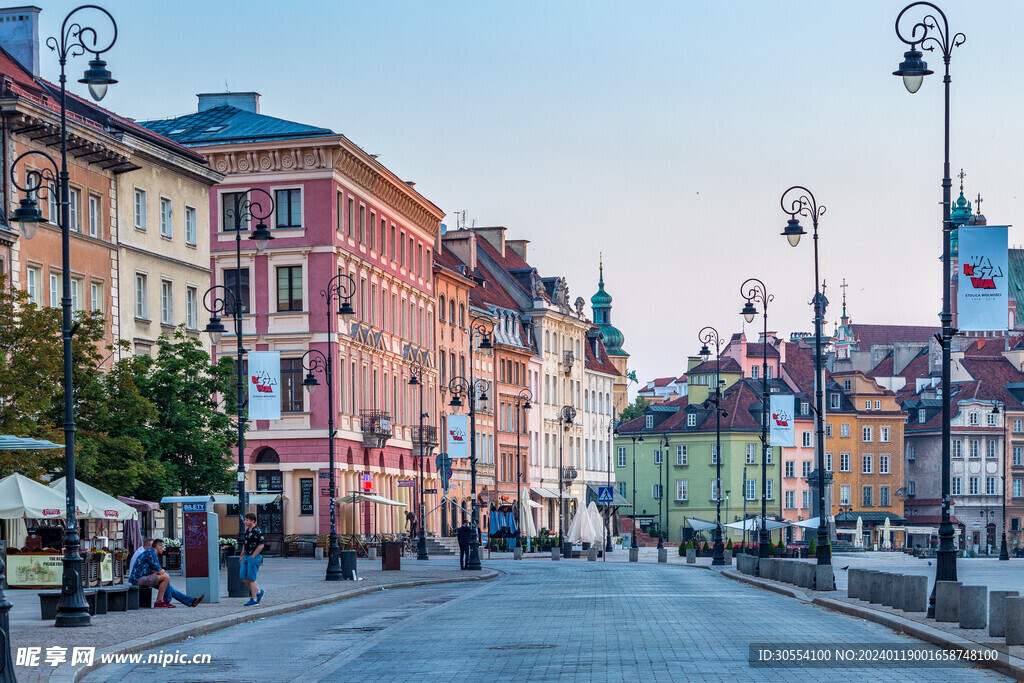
{"points": [[605, 494], [443, 461], [429, 490], [407, 483], [448, 473]]}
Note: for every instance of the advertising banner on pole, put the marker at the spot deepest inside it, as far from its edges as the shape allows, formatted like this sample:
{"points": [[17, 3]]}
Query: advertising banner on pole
{"points": [[981, 299], [264, 385], [458, 436], [780, 423]]}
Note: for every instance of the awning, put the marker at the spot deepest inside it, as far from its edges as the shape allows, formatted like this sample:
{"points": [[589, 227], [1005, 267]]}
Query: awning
{"points": [[140, 505], [20, 443], [618, 500], [548, 493], [811, 523], [755, 523], [869, 517], [533, 504], [255, 498], [700, 524], [370, 498]]}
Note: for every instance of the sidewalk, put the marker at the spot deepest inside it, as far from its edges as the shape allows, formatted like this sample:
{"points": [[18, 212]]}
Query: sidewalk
{"points": [[291, 584]]}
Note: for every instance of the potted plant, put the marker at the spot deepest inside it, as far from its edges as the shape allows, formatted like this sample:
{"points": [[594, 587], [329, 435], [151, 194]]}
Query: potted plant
{"points": [[172, 553], [682, 548], [120, 554], [812, 548]]}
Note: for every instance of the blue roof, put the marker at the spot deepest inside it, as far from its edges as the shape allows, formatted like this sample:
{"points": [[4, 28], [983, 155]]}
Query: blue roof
{"points": [[230, 124]]}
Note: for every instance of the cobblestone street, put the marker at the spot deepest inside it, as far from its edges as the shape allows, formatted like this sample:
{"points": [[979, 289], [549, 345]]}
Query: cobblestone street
{"points": [[539, 621]]}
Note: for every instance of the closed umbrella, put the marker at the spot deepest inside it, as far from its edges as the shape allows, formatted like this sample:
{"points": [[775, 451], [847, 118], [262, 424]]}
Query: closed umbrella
{"points": [[886, 535], [526, 514], [860, 533]]}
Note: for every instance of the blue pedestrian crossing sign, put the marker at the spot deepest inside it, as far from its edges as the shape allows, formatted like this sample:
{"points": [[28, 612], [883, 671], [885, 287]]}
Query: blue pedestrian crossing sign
{"points": [[605, 494]]}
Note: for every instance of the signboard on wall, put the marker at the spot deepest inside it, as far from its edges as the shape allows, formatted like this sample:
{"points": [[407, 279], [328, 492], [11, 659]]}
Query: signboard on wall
{"points": [[458, 436], [306, 497], [264, 384], [982, 301], [780, 421]]}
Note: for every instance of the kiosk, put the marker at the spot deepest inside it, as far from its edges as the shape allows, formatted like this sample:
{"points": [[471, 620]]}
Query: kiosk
{"points": [[199, 547]]}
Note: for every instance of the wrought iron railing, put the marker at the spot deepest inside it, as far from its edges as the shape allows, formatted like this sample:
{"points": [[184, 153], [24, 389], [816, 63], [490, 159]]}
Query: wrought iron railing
{"points": [[375, 422], [428, 437]]}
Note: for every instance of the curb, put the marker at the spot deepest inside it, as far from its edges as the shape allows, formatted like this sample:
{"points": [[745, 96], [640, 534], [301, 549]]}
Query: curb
{"points": [[68, 674], [1011, 666]]}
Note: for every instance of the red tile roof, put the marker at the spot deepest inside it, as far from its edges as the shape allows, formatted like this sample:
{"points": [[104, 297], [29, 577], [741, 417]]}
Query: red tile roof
{"points": [[599, 364], [799, 368], [728, 365], [993, 374], [444, 257], [489, 292], [757, 351], [870, 335]]}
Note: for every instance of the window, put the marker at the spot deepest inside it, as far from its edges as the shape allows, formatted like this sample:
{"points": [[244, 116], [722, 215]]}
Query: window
{"points": [[771, 487], [790, 499], [291, 385], [805, 468], [922, 415], [846, 385], [878, 405], [32, 284], [883, 434], [657, 457], [656, 491], [192, 308], [622, 457], [288, 207], [833, 401], [362, 224], [751, 489], [990, 486], [828, 462], [956, 486], [52, 196], [883, 496], [911, 488], [372, 241], [991, 450], [289, 288], [828, 430], [649, 421], [166, 302], [806, 500], [789, 469], [1018, 425], [1018, 489], [867, 464], [755, 372], [55, 287], [691, 420], [141, 296], [76, 301], [975, 448], [911, 452], [991, 419], [867, 404], [166, 229], [681, 489], [681, 455], [140, 209], [190, 226], [622, 488], [95, 296], [867, 434], [229, 221], [238, 279], [380, 237], [883, 464], [958, 448], [751, 453], [73, 203], [807, 439], [94, 216], [972, 418], [805, 408], [866, 496], [844, 494], [974, 486], [714, 454], [844, 462], [844, 431], [1018, 456], [770, 456]]}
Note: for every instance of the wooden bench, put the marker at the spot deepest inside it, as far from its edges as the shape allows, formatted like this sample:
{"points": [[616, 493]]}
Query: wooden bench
{"points": [[117, 598], [145, 596], [132, 600], [48, 603]]}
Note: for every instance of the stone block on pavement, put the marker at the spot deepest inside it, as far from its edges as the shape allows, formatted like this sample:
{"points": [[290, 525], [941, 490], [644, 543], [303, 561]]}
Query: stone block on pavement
{"points": [[1014, 610], [899, 590], [634, 554], [662, 555], [592, 554], [854, 579], [728, 557], [879, 582], [915, 596], [973, 610], [691, 556], [947, 601], [997, 611], [556, 553], [824, 577]]}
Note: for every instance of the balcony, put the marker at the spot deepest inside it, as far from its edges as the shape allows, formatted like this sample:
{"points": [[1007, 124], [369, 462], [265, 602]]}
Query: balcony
{"points": [[428, 439], [376, 427], [567, 360], [569, 474]]}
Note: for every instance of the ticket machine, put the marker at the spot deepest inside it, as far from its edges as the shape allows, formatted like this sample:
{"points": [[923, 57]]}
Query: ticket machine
{"points": [[200, 548]]}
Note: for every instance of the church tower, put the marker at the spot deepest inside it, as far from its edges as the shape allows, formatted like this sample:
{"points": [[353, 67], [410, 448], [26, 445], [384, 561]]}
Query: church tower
{"points": [[601, 303]]}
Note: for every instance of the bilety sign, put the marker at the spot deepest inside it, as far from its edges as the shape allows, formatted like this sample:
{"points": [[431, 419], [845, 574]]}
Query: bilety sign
{"points": [[264, 385], [458, 436], [982, 301], [780, 421]]}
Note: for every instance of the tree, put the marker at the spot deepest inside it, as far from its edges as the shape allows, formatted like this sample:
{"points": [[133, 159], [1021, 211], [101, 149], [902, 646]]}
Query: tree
{"points": [[634, 409]]}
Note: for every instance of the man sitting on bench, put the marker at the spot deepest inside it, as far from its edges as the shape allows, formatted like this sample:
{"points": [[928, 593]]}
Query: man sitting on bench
{"points": [[148, 573]]}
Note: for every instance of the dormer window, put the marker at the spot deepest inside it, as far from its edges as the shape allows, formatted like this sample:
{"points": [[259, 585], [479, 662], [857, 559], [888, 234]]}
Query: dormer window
{"points": [[649, 421], [972, 418], [834, 401], [846, 385], [805, 408], [922, 415], [691, 420]]}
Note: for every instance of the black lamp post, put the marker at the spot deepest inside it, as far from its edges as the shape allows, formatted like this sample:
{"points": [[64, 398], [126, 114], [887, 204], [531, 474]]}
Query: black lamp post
{"points": [[932, 31], [340, 289], [1003, 552], [801, 202], [565, 418], [220, 300], [754, 290], [416, 379], [522, 403], [75, 39], [474, 390], [707, 336], [663, 466], [636, 439]]}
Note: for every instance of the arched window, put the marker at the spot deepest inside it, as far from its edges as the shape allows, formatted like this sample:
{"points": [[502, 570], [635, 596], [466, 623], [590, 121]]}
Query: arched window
{"points": [[451, 310], [267, 456], [440, 310]]}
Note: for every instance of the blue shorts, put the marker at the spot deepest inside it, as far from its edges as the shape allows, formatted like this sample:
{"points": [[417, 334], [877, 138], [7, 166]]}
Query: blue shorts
{"points": [[249, 567]]}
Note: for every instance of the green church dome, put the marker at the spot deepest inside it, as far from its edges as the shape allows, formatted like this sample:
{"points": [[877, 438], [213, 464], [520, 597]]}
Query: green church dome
{"points": [[602, 304]]}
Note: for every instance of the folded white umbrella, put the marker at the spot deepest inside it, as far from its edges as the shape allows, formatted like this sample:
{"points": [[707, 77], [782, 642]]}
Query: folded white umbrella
{"points": [[22, 497], [525, 514], [98, 504]]}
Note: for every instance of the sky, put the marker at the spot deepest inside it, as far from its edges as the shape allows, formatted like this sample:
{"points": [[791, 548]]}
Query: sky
{"points": [[661, 134]]}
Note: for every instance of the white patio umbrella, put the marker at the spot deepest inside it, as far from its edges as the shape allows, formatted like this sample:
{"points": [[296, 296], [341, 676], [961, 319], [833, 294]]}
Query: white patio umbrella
{"points": [[99, 505], [886, 535], [22, 497], [859, 542]]}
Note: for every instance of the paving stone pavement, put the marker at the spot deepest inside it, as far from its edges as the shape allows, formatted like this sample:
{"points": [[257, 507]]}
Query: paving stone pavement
{"points": [[539, 621]]}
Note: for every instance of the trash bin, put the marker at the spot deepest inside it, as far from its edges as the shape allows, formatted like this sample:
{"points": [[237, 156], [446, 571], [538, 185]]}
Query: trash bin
{"points": [[348, 565], [391, 555]]}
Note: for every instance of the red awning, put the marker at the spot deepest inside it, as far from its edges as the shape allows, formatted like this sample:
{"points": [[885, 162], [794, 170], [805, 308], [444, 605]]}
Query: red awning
{"points": [[140, 505]]}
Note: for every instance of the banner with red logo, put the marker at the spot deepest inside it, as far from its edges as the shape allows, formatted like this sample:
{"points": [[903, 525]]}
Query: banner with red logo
{"points": [[458, 436], [780, 421], [264, 385], [982, 300]]}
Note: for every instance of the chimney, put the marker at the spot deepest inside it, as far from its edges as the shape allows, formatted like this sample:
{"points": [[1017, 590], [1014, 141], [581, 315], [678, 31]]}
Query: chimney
{"points": [[518, 246], [495, 235], [19, 35], [246, 101]]}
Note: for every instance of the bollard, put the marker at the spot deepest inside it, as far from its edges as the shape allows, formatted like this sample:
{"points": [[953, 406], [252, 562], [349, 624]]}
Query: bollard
{"points": [[854, 578], [947, 600], [691, 556], [824, 577], [348, 565], [805, 574], [634, 554], [770, 568], [1014, 611], [878, 582], [887, 589], [899, 590], [728, 557], [997, 611], [973, 608], [662, 555], [592, 554], [915, 598], [866, 580], [556, 553]]}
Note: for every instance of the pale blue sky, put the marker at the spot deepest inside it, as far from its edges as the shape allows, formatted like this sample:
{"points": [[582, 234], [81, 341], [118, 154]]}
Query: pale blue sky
{"points": [[661, 133]]}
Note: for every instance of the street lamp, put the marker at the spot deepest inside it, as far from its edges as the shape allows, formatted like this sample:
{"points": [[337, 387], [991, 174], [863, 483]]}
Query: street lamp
{"points": [[474, 390], [1003, 552], [710, 335], [753, 290], [219, 300], [75, 39], [636, 439], [661, 466], [522, 402], [416, 379], [799, 201], [929, 33], [565, 417], [340, 289]]}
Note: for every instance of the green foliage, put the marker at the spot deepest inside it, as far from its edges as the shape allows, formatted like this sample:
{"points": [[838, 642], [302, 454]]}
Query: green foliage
{"points": [[634, 409], [812, 548], [682, 548]]}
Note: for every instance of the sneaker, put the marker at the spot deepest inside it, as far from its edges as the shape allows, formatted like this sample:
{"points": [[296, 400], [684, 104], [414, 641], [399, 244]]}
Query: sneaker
{"points": [[259, 597], [198, 600], [250, 603], [163, 604]]}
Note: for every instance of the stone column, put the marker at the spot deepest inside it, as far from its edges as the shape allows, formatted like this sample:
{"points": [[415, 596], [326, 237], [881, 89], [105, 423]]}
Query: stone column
{"points": [[947, 600], [997, 611], [973, 606]]}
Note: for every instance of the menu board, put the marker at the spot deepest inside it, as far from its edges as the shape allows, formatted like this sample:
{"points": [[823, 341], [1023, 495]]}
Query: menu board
{"points": [[306, 497]]}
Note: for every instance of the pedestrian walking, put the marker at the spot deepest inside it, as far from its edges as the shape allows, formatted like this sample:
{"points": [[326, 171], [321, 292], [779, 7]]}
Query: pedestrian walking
{"points": [[251, 558], [465, 536]]}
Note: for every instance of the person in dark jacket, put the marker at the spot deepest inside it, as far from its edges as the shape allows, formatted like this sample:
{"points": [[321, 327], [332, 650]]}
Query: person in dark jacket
{"points": [[465, 536]]}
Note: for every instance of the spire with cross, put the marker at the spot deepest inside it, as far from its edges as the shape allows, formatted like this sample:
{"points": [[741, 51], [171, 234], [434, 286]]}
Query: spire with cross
{"points": [[978, 201]]}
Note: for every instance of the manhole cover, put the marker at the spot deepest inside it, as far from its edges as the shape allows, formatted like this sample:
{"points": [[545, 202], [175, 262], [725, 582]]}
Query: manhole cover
{"points": [[524, 646], [357, 629]]}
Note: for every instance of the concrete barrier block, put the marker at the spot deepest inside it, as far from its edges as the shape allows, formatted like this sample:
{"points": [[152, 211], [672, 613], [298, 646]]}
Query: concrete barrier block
{"points": [[556, 554], [767, 568], [947, 601], [517, 553], [915, 593], [805, 574], [878, 584], [887, 588], [1014, 611], [728, 557], [592, 554], [997, 611], [854, 578], [774, 569], [662, 555], [899, 590], [824, 577], [973, 609], [634, 554], [691, 556]]}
